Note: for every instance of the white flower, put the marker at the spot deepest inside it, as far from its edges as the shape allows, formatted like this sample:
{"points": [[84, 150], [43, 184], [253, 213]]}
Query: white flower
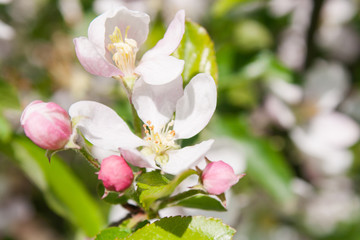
{"points": [[326, 134], [113, 40], [194, 107]]}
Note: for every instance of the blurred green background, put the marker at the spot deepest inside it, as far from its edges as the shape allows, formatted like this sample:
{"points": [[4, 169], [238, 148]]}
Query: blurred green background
{"points": [[288, 96]]}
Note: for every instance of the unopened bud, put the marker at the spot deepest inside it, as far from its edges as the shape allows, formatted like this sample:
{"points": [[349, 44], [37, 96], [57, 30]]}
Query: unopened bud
{"points": [[115, 173], [218, 177], [46, 124]]}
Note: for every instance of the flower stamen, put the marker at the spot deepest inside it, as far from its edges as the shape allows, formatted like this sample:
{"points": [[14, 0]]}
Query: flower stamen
{"points": [[159, 142], [124, 55]]}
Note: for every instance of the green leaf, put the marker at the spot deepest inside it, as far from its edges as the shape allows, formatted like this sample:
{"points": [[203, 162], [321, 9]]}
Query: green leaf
{"points": [[265, 165], [197, 49], [62, 190], [153, 178], [113, 233], [155, 190], [175, 228]]}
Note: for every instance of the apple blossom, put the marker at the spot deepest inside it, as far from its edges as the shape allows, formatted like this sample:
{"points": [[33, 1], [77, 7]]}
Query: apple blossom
{"points": [[46, 124], [115, 173], [218, 177], [155, 105], [114, 39]]}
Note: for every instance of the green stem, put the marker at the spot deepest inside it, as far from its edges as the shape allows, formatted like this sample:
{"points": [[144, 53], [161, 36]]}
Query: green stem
{"points": [[136, 121], [93, 162]]}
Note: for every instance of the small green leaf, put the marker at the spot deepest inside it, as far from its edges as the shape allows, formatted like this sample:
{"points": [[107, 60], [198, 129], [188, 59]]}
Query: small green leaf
{"points": [[153, 178], [177, 228], [151, 193], [62, 190], [113, 233], [202, 201], [197, 49]]}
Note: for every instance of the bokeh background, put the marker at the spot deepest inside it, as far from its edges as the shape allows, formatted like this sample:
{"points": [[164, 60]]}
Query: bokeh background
{"points": [[288, 112]]}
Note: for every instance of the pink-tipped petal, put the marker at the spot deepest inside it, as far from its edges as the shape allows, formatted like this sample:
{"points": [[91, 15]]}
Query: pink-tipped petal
{"points": [[92, 60], [171, 39], [115, 173], [160, 70], [195, 109]]}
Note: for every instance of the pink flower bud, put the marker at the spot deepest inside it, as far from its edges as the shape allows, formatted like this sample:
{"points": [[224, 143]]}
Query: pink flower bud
{"points": [[218, 177], [115, 173], [46, 124]]}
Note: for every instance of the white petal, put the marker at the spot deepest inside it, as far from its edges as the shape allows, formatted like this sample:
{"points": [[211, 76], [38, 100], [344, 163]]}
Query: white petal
{"points": [[326, 84], [334, 129], [102, 126], [100, 153], [279, 112], [135, 158], [195, 109], [156, 102], [104, 25], [160, 70], [92, 60], [185, 158], [290, 93], [171, 40]]}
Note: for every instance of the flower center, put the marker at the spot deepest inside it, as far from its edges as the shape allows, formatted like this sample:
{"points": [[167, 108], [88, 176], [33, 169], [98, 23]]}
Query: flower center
{"points": [[124, 55], [159, 142]]}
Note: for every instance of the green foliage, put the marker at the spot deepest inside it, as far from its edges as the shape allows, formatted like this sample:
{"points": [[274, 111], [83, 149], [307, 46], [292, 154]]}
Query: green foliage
{"points": [[64, 193], [113, 233], [176, 228], [197, 49], [8, 96]]}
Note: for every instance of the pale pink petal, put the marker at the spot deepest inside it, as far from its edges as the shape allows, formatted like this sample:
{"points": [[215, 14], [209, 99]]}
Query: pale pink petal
{"points": [[195, 109], [185, 158], [171, 40], [156, 103], [92, 60], [160, 70], [101, 126]]}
